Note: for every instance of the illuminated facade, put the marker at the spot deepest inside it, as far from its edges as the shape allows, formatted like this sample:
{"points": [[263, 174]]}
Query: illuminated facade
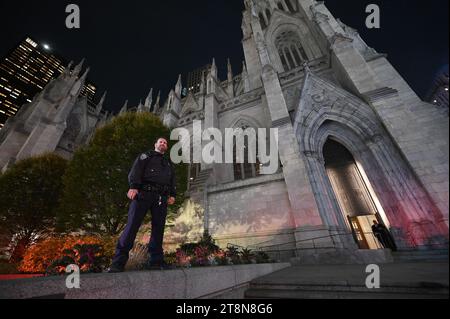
{"points": [[25, 71], [357, 144]]}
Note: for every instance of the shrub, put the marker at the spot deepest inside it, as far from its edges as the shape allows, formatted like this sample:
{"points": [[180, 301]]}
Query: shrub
{"points": [[234, 255], [262, 257], [41, 256], [207, 253], [88, 257], [29, 194], [206, 243], [247, 256], [183, 259]]}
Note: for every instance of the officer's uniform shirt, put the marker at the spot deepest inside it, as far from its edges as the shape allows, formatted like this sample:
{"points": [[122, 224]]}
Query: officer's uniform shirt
{"points": [[153, 168]]}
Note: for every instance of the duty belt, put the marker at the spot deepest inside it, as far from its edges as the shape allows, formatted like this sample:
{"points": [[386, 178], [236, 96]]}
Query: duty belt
{"points": [[154, 188]]}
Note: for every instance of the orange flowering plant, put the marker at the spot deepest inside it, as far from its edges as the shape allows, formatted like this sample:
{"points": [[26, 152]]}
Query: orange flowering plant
{"points": [[90, 253]]}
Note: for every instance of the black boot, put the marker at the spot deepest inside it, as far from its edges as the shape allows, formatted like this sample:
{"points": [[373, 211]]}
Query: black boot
{"points": [[114, 269]]}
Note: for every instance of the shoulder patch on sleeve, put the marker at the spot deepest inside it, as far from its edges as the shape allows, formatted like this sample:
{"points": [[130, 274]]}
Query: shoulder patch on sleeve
{"points": [[143, 157]]}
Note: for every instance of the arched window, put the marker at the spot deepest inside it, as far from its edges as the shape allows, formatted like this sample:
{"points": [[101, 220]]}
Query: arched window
{"points": [[280, 6], [247, 169], [296, 55], [290, 59], [292, 54], [290, 6], [283, 60], [262, 20]]}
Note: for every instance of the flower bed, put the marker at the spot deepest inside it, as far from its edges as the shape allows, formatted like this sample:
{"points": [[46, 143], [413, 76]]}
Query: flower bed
{"points": [[206, 253]]}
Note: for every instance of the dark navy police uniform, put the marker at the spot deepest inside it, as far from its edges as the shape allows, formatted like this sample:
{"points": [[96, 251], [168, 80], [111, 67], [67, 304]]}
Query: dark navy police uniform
{"points": [[153, 175]]}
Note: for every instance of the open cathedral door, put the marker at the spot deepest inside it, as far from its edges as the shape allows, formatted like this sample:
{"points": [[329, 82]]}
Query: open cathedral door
{"points": [[358, 233], [351, 193]]}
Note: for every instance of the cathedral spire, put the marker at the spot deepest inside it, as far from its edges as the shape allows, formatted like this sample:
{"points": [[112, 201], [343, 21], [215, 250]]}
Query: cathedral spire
{"points": [[85, 74], [77, 69], [124, 108], [99, 107], [214, 69], [157, 103], [67, 70], [149, 99], [141, 107], [179, 86], [104, 118], [203, 83], [78, 86], [230, 71]]}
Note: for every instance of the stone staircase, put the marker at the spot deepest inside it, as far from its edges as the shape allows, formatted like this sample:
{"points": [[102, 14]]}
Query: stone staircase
{"points": [[343, 291], [440, 255], [397, 281]]}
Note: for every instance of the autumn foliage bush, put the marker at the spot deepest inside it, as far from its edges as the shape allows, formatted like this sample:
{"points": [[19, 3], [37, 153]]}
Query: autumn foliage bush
{"points": [[40, 257]]}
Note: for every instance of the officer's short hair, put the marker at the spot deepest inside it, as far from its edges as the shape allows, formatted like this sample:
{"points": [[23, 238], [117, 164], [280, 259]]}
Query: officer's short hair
{"points": [[161, 138]]}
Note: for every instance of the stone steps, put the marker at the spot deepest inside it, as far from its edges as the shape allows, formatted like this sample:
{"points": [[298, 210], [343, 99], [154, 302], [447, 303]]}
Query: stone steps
{"points": [[418, 255], [342, 256], [339, 293], [343, 291], [420, 280]]}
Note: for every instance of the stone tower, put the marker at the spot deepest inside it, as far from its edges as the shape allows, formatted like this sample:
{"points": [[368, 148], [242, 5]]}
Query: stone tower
{"points": [[57, 120]]}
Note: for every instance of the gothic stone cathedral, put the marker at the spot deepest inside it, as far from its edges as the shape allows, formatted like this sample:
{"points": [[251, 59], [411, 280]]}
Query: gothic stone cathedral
{"points": [[356, 144]]}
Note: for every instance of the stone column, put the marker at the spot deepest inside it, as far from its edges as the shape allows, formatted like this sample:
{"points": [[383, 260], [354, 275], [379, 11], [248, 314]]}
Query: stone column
{"points": [[301, 196]]}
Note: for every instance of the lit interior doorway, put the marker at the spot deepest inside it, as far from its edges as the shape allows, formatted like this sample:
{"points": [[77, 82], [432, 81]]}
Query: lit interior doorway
{"points": [[352, 194]]}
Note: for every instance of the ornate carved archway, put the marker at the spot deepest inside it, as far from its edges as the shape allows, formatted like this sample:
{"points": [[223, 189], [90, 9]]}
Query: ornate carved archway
{"points": [[325, 112]]}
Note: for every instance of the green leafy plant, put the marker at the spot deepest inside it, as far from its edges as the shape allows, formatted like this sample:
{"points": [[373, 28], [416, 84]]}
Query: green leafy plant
{"points": [[234, 255], [262, 257], [247, 256]]}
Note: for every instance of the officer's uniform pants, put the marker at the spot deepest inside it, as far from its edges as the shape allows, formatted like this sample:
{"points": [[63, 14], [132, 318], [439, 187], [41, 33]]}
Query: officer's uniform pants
{"points": [[144, 202]]}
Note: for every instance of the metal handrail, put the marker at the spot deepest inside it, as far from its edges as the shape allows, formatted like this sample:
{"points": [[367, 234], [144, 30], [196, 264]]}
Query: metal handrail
{"points": [[261, 248], [323, 237]]}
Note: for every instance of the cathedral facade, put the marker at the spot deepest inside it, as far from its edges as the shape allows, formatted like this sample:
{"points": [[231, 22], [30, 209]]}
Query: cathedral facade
{"points": [[356, 144]]}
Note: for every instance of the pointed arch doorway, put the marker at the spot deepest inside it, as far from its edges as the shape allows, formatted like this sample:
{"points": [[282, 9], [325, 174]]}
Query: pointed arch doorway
{"points": [[352, 194]]}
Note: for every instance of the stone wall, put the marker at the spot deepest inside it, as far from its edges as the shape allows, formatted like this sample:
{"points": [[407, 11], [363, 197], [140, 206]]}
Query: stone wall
{"points": [[250, 211]]}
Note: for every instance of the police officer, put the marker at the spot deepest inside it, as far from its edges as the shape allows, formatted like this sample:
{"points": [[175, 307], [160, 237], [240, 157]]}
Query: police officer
{"points": [[383, 235], [152, 187]]}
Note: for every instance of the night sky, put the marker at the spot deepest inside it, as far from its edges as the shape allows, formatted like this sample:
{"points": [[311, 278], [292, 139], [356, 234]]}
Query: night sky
{"points": [[134, 45]]}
